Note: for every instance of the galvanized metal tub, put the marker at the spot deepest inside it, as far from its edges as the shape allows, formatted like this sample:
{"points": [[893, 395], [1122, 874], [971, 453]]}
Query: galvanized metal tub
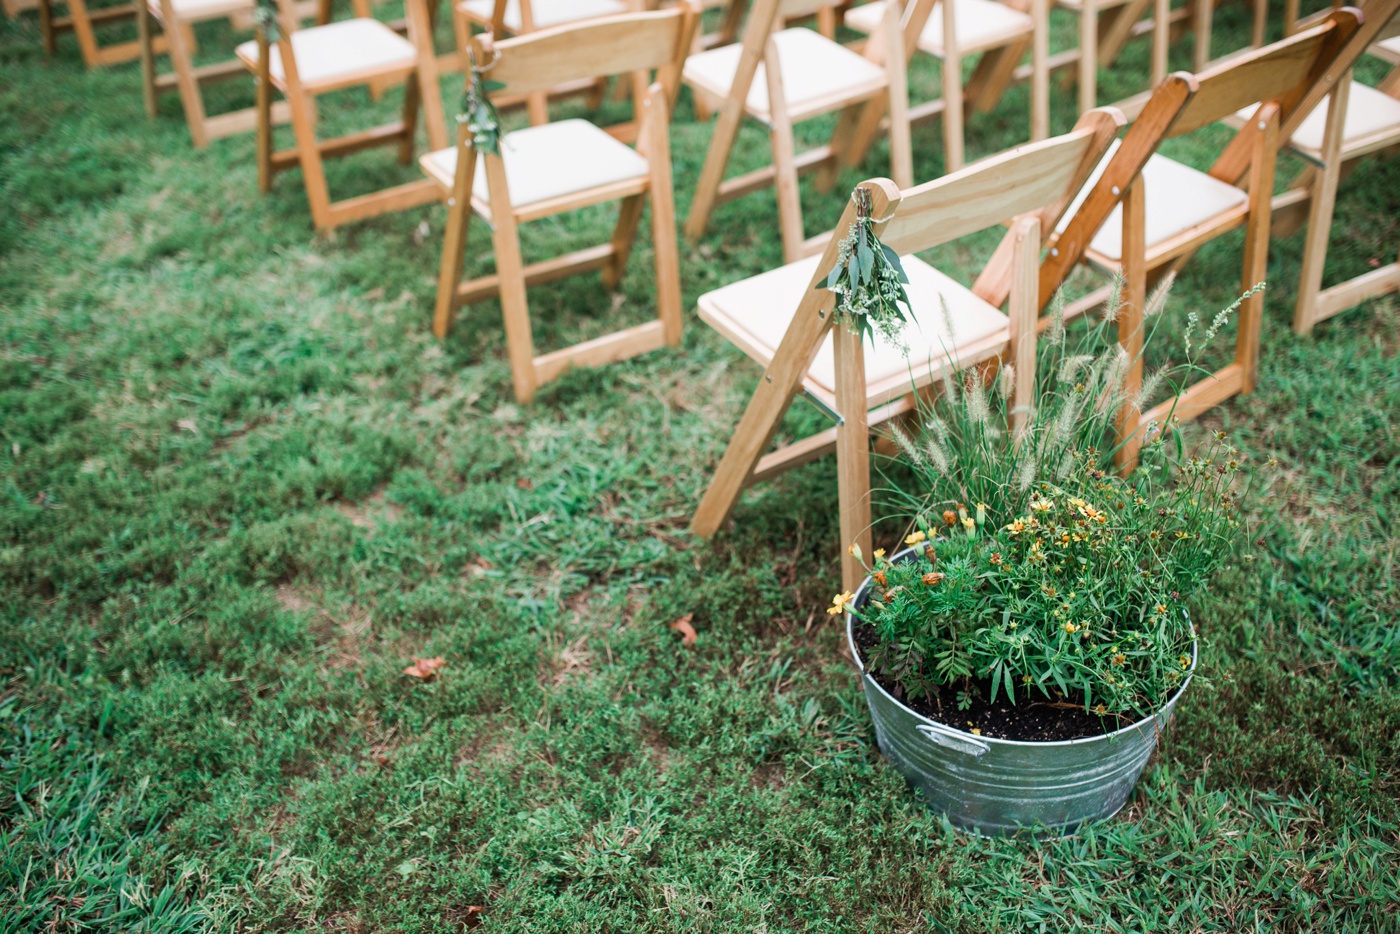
{"points": [[996, 786]]}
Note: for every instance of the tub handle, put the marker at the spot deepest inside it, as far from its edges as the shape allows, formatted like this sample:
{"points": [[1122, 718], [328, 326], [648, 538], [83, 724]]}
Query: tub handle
{"points": [[954, 739]]}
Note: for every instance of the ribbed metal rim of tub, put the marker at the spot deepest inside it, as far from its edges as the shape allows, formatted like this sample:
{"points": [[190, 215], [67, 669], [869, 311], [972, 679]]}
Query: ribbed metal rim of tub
{"points": [[1039, 744]]}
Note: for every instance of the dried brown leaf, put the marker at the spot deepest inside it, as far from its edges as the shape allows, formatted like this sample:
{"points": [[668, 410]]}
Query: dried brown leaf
{"points": [[686, 630]]}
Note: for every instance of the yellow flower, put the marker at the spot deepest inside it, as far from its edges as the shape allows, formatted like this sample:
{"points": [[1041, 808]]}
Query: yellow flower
{"points": [[969, 524], [1071, 628], [879, 553], [839, 602], [1185, 661], [1043, 505], [915, 538]]}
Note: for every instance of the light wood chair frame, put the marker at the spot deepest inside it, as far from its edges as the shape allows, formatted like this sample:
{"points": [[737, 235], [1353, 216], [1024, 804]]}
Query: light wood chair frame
{"points": [[537, 104], [310, 152], [996, 66], [84, 25], [1105, 27], [188, 80], [1029, 187], [572, 51], [713, 189], [1289, 77], [1334, 162]]}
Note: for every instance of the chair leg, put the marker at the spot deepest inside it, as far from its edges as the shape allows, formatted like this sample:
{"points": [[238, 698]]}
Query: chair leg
{"points": [[454, 244], [515, 309], [1040, 71], [1161, 38], [313, 169], [1256, 248], [537, 106], [1203, 11], [785, 181], [1320, 207], [663, 223], [82, 29], [412, 101], [1088, 58], [263, 105], [852, 455], [629, 217], [901, 144], [46, 27], [191, 96], [148, 58], [1131, 321]]}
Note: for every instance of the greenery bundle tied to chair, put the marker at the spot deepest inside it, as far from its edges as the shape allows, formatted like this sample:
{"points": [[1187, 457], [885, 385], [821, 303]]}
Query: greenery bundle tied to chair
{"points": [[476, 112], [869, 279]]}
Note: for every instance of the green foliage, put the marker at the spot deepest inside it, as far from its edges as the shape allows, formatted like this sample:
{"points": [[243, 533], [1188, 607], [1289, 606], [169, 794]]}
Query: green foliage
{"points": [[478, 113], [1069, 578], [868, 278]]}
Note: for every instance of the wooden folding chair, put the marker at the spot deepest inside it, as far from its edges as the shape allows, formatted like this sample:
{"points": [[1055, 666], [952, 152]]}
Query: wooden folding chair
{"points": [[783, 76], [304, 64], [951, 31], [519, 17], [784, 319], [1202, 23], [84, 24], [1105, 26], [1145, 214], [186, 78], [543, 171], [1359, 121]]}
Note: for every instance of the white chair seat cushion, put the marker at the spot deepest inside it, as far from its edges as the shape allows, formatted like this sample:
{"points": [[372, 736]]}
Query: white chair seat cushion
{"points": [[546, 13], [1368, 112], [329, 54], [548, 161], [759, 310], [813, 69], [1177, 198], [981, 24], [194, 11]]}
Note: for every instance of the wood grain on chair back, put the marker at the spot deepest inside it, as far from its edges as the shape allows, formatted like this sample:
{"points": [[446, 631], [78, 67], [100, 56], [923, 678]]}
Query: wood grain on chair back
{"points": [[629, 42], [1281, 72], [993, 191]]}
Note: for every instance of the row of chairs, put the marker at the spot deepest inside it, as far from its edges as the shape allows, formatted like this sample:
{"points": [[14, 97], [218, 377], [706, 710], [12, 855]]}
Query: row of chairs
{"points": [[999, 32], [1084, 197]]}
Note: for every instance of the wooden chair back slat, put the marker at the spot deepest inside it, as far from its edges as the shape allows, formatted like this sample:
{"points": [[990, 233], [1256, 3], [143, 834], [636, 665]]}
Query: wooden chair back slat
{"points": [[792, 9], [615, 45], [1265, 74], [989, 193]]}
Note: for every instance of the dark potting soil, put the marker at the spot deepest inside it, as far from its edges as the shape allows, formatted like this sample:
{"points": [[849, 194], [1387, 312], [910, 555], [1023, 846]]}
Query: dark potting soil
{"points": [[1035, 719]]}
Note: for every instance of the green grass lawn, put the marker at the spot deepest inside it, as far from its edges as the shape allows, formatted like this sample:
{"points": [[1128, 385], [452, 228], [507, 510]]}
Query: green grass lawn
{"points": [[243, 487]]}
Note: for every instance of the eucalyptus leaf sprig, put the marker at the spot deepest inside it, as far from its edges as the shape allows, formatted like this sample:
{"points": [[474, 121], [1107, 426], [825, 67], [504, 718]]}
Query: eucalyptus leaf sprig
{"points": [[869, 279], [265, 18], [477, 112]]}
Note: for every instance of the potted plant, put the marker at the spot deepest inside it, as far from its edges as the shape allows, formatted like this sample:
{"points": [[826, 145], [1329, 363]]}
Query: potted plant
{"points": [[1025, 650]]}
